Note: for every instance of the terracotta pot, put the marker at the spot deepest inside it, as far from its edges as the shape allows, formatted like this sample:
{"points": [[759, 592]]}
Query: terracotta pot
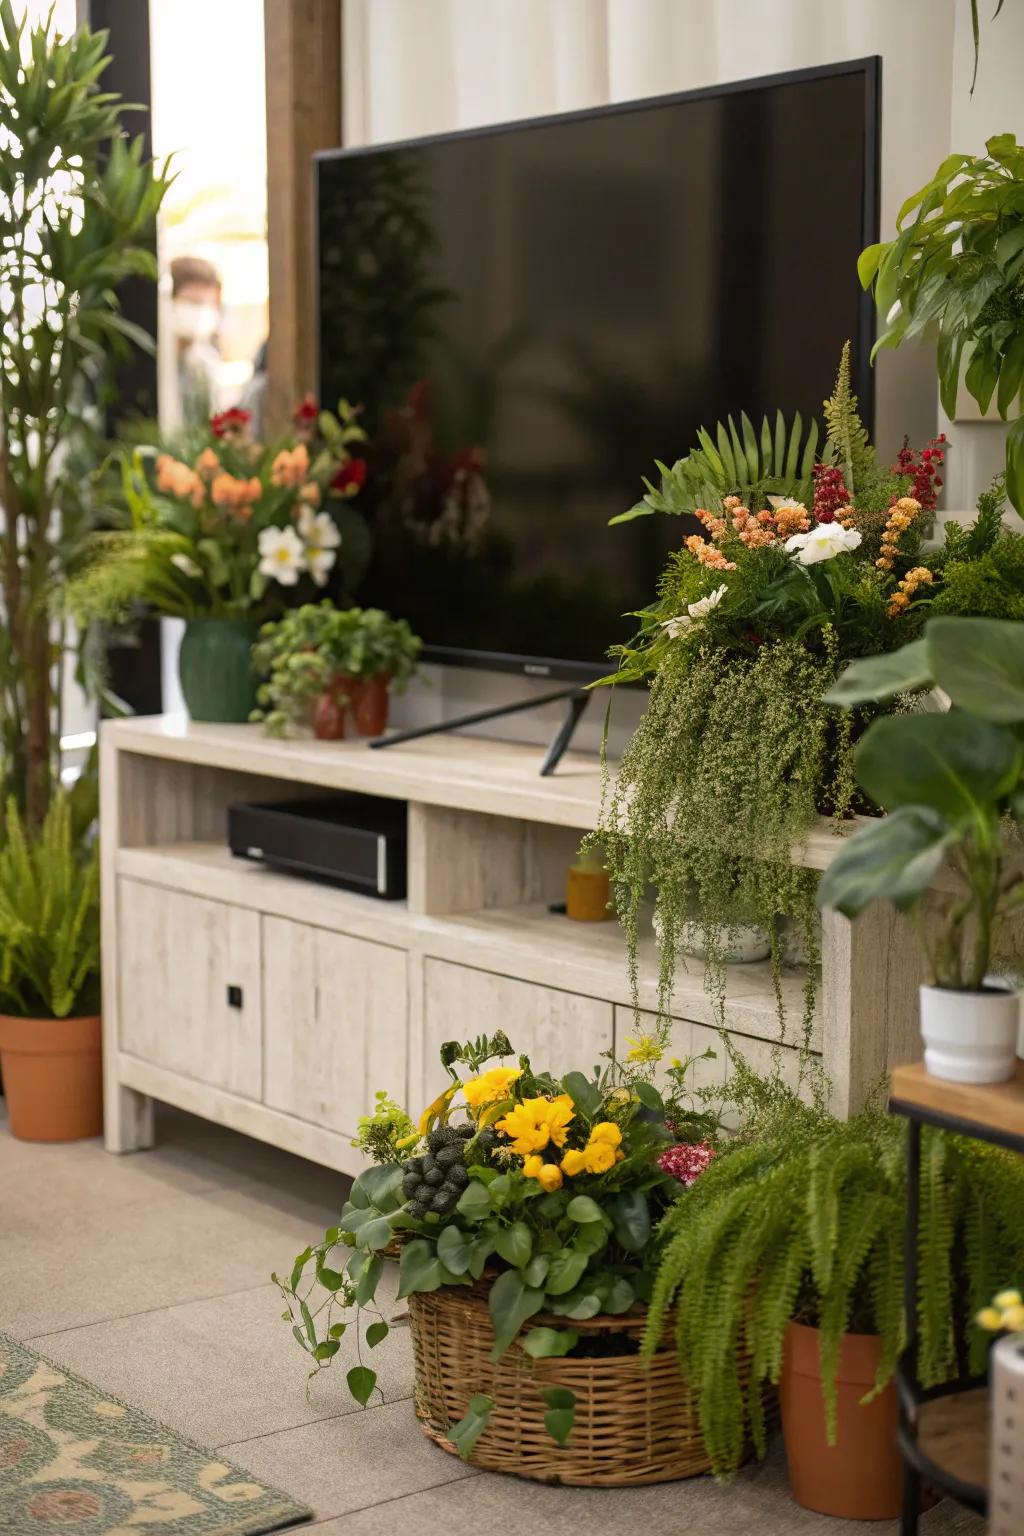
{"points": [[53, 1077], [370, 704], [329, 716], [858, 1478]]}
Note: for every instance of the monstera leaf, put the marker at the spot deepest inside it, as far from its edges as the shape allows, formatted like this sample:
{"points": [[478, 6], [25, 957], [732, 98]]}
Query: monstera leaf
{"points": [[735, 461]]}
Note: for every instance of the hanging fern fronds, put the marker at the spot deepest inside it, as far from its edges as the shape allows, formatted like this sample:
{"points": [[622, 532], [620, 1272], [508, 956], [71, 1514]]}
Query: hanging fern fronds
{"points": [[802, 1217], [846, 436], [775, 461]]}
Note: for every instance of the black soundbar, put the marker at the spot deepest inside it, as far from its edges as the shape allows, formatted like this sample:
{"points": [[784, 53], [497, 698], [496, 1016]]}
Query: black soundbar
{"points": [[355, 841]]}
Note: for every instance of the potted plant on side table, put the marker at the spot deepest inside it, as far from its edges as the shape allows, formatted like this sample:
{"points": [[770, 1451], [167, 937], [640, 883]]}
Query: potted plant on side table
{"points": [[50, 978], [321, 664], [951, 783]]}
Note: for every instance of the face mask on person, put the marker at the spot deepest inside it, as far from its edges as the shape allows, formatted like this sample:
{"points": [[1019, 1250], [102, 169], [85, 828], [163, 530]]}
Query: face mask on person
{"points": [[195, 322]]}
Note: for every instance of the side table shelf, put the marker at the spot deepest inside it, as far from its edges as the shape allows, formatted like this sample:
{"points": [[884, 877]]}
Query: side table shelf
{"points": [[944, 1433]]}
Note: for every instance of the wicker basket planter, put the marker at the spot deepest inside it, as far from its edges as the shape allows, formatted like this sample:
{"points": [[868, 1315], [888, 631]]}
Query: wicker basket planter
{"points": [[636, 1422]]}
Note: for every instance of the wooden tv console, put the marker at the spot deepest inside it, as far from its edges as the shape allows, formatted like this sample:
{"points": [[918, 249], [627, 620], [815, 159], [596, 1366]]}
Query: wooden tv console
{"points": [[334, 995]]}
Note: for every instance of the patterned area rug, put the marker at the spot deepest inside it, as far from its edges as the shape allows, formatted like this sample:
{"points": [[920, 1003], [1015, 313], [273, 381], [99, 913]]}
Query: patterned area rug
{"points": [[77, 1462]]}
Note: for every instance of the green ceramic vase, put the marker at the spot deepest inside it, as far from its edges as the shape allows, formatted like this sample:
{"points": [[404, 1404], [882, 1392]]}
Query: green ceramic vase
{"points": [[215, 667]]}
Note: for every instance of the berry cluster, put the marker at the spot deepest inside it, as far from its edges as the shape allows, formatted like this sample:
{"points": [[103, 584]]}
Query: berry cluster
{"points": [[830, 493], [923, 469]]}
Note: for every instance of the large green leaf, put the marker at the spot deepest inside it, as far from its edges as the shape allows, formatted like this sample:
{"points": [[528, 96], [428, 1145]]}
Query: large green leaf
{"points": [[880, 677], [980, 664], [632, 1217], [895, 859], [549, 1343], [419, 1268], [511, 1303], [561, 1403], [514, 1244], [566, 1271], [465, 1434], [955, 763]]}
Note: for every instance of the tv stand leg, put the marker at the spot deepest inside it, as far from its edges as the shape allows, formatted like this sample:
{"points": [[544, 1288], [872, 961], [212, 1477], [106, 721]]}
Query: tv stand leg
{"points": [[573, 715]]}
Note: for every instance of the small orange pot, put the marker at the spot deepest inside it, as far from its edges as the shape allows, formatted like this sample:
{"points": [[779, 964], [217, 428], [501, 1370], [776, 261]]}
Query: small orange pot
{"points": [[859, 1477], [329, 717], [370, 704], [53, 1077]]}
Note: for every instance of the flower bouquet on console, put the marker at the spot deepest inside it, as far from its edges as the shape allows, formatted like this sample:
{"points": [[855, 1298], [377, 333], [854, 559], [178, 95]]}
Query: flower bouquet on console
{"points": [[523, 1210], [224, 532], [800, 552]]}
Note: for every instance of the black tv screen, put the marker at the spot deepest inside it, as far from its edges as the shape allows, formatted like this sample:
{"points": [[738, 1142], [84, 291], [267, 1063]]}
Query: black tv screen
{"points": [[530, 315]]}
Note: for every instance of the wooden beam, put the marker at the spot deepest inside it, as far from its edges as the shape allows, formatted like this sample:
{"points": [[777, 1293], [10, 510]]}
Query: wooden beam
{"points": [[303, 69]]}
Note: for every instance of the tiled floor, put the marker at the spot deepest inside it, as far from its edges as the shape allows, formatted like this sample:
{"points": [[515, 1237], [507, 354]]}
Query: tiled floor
{"points": [[150, 1275]]}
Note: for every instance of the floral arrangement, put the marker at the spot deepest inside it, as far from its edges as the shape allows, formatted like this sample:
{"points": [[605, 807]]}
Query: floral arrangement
{"points": [[802, 562], [1004, 1313], [225, 526], [546, 1189], [318, 649]]}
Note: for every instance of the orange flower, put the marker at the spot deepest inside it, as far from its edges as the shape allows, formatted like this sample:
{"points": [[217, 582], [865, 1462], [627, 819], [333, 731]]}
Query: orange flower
{"points": [[310, 493], [177, 479], [234, 494], [207, 464], [708, 555], [291, 466], [791, 520]]}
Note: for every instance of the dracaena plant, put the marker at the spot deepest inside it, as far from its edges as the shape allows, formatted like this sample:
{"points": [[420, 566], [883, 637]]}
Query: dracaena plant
{"points": [[952, 783], [77, 208], [955, 272]]}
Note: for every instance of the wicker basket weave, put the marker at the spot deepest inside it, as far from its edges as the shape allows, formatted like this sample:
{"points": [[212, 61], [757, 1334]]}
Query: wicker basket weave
{"points": [[636, 1422]]}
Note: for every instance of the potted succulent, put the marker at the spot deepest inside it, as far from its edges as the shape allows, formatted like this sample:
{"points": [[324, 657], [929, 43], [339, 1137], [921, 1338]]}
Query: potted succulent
{"points": [[523, 1210], [790, 1246], [222, 531], [321, 663], [951, 783], [50, 978]]}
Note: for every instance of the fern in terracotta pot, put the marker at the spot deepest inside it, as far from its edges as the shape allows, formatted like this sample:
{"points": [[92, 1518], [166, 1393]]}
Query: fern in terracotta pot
{"points": [[50, 977]]}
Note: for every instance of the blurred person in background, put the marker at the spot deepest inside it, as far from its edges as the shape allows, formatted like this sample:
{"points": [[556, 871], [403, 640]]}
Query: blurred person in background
{"points": [[196, 321]]}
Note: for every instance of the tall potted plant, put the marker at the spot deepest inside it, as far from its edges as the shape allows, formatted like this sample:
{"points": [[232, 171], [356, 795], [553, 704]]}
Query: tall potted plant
{"points": [[951, 783], [955, 272], [49, 977], [77, 205]]}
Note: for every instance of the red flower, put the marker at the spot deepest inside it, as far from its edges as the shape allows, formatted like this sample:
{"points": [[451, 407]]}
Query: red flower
{"points": [[350, 478], [686, 1162], [229, 423], [306, 412], [830, 492], [922, 470]]}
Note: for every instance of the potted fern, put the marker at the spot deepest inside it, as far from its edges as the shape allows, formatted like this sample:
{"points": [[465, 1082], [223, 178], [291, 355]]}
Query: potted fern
{"points": [[50, 978], [952, 785], [789, 1246]]}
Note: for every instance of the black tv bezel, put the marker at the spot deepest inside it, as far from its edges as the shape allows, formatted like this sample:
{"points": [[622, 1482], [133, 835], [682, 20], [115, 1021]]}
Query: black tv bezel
{"points": [[870, 66]]}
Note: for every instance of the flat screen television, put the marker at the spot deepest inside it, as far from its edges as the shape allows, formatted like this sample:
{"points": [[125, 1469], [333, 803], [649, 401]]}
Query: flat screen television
{"points": [[531, 314]]}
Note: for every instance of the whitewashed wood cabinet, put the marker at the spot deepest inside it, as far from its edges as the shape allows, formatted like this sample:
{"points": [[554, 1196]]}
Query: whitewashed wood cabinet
{"points": [[279, 1006]]}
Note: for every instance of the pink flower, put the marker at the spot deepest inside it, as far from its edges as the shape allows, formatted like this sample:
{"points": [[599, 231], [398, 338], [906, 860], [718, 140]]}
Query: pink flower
{"points": [[687, 1161]]}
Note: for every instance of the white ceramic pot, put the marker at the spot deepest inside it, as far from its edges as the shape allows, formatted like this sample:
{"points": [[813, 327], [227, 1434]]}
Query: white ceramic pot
{"points": [[970, 1037], [740, 945]]}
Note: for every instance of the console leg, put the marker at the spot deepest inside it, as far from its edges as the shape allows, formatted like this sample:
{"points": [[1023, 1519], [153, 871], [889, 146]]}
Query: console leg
{"points": [[127, 1120], [573, 716], [911, 1500]]}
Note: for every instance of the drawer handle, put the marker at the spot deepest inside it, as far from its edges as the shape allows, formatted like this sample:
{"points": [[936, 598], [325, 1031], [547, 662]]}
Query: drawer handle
{"points": [[234, 997]]}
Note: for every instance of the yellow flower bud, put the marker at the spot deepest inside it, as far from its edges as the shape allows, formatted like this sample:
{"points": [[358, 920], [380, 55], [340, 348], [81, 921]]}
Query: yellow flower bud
{"points": [[574, 1162], [606, 1130], [533, 1166], [989, 1319], [1013, 1319], [600, 1156], [550, 1177], [1007, 1299]]}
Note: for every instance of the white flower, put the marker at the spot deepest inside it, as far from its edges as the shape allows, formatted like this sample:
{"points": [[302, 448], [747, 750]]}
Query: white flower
{"points": [[703, 606], [282, 555], [824, 542], [319, 532], [775, 502], [694, 612], [186, 565]]}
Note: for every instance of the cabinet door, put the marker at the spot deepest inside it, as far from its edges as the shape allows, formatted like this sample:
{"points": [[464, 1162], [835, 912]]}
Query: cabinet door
{"points": [[189, 975], [335, 1020], [559, 1031]]}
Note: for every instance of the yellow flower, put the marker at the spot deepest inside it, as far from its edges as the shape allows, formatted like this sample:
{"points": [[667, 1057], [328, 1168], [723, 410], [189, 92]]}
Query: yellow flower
{"points": [[1013, 1319], [990, 1318], [490, 1086], [574, 1162], [1007, 1299], [600, 1157], [531, 1125], [645, 1048], [607, 1130], [434, 1109], [548, 1175], [533, 1166]]}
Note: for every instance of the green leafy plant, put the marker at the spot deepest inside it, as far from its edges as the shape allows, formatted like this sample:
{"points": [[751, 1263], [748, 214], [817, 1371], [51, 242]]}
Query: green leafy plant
{"points": [[801, 1218], [311, 647], [846, 437], [955, 271], [950, 782], [776, 460], [547, 1190], [49, 916], [77, 210]]}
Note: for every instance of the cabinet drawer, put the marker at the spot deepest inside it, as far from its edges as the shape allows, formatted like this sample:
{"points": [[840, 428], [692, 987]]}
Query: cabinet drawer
{"points": [[559, 1031], [334, 1023], [178, 957]]}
